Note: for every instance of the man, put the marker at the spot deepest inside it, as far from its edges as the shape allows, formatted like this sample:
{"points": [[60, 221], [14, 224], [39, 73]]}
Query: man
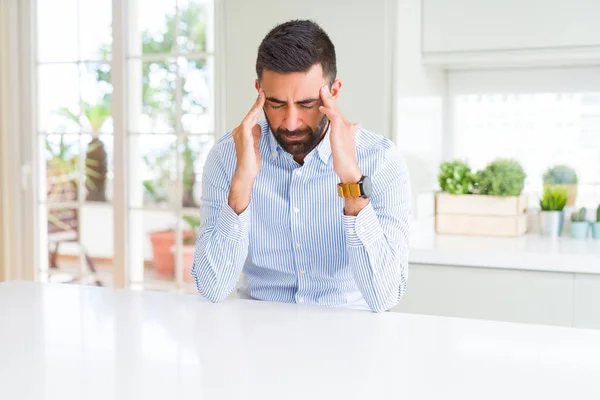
{"points": [[312, 208]]}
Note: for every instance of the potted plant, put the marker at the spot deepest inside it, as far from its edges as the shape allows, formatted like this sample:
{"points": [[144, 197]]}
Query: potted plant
{"points": [[488, 202], [455, 177], [502, 178], [93, 117], [163, 241], [157, 191], [579, 224], [551, 216], [596, 225], [565, 176]]}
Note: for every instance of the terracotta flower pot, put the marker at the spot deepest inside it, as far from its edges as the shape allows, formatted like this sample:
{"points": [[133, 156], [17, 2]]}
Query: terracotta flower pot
{"points": [[164, 261]]}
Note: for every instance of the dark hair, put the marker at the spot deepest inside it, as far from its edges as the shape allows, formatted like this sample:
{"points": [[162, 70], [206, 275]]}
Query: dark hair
{"points": [[295, 46]]}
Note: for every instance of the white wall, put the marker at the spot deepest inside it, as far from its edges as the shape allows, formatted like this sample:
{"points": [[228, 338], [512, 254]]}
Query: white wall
{"points": [[360, 30], [419, 107]]}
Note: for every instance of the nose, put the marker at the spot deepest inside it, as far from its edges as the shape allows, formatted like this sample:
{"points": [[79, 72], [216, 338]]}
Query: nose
{"points": [[292, 119]]}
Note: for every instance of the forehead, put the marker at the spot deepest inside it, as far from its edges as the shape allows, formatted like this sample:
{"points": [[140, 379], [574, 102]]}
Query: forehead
{"points": [[294, 84]]}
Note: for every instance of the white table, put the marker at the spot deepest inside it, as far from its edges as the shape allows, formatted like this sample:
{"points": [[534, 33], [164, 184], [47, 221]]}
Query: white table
{"points": [[64, 342]]}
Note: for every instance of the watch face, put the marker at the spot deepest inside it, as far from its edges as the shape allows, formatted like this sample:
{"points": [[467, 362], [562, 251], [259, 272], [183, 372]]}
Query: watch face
{"points": [[366, 187]]}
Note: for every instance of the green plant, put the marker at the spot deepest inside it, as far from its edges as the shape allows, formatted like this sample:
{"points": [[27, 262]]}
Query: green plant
{"points": [[455, 177], [579, 216], [189, 175], [160, 80], [554, 199], [93, 117], [503, 177], [560, 175], [598, 214], [162, 168], [61, 180], [162, 165]]}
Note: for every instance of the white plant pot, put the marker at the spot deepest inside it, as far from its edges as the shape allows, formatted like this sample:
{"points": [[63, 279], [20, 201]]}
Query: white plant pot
{"points": [[551, 223]]}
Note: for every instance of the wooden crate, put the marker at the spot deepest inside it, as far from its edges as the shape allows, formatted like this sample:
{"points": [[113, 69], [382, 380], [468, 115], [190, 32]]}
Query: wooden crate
{"points": [[480, 215]]}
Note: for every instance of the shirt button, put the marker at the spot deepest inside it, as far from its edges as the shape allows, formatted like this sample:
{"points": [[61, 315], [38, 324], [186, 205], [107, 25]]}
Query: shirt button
{"points": [[300, 299], [296, 209], [298, 172], [302, 272], [274, 154], [235, 226], [298, 245]]}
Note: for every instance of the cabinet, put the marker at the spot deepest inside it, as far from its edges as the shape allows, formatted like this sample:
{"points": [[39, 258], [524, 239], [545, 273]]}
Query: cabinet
{"points": [[515, 31], [537, 297]]}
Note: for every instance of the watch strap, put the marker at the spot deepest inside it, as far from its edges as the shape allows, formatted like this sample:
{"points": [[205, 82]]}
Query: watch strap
{"points": [[348, 190]]}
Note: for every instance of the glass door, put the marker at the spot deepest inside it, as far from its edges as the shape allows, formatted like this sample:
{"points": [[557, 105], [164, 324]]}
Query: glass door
{"points": [[168, 66]]}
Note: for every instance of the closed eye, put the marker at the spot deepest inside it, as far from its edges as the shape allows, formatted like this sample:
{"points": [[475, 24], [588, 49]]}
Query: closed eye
{"points": [[307, 107]]}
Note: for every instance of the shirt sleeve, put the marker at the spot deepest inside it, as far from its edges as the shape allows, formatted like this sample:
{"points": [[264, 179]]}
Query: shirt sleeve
{"points": [[222, 243], [377, 239]]}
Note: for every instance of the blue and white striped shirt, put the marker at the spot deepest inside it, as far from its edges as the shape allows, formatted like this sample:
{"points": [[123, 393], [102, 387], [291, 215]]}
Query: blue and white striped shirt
{"points": [[293, 243]]}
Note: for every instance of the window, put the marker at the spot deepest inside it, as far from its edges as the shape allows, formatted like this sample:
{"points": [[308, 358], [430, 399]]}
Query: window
{"points": [[539, 117], [169, 115]]}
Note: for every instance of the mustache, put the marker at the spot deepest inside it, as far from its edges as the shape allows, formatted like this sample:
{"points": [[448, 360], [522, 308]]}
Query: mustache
{"points": [[298, 132]]}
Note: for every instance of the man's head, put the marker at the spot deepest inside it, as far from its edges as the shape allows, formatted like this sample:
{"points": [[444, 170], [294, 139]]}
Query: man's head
{"points": [[295, 60]]}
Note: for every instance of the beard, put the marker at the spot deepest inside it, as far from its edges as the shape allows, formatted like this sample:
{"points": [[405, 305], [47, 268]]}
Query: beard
{"points": [[304, 140]]}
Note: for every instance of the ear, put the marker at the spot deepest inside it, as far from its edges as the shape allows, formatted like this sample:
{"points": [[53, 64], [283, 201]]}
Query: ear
{"points": [[257, 85], [335, 88]]}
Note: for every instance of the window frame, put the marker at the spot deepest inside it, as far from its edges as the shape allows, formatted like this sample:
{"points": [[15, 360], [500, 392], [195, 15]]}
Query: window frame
{"points": [[33, 237]]}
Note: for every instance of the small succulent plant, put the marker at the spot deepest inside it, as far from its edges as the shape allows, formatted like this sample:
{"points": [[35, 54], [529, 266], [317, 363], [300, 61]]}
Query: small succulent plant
{"points": [[579, 216], [598, 214], [555, 198]]}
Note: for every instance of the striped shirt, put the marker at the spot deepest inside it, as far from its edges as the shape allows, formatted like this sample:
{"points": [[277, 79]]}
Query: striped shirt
{"points": [[293, 243]]}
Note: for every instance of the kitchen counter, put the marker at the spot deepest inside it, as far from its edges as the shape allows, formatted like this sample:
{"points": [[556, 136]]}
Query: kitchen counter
{"points": [[529, 252]]}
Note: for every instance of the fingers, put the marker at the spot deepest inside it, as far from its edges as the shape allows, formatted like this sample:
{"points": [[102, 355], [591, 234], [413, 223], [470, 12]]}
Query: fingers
{"points": [[327, 98], [260, 101], [256, 131], [254, 113], [330, 113]]}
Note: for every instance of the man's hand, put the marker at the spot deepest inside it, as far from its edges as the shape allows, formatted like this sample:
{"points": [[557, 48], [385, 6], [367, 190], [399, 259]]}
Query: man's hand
{"points": [[246, 138], [343, 150], [343, 143]]}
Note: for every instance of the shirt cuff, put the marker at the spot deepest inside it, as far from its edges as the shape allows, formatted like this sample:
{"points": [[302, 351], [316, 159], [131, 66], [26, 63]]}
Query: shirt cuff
{"points": [[233, 226], [362, 229]]}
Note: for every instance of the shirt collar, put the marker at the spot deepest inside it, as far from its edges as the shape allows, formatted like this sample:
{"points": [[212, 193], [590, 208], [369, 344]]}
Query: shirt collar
{"points": [[323, 149]]}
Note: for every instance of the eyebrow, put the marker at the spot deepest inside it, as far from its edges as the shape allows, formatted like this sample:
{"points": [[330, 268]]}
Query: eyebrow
{"points": [[304, 101]]}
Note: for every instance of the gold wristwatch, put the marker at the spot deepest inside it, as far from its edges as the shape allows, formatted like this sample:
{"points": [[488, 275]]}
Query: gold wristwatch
{"points": [[352, 190]]}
